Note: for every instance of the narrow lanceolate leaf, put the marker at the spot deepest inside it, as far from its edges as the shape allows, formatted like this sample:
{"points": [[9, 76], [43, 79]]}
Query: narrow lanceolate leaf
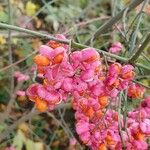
{"points": [[113, 20]]}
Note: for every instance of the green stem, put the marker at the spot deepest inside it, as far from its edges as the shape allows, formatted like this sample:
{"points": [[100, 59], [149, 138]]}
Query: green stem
{"points": [[140, 83], [113, 20], [135, 32], [119, 120], [73, 44], [125, 103], [145, 57], [142, 77], [34, 33], [46, 36], [135, 56], [142, 66], [11, 101]]}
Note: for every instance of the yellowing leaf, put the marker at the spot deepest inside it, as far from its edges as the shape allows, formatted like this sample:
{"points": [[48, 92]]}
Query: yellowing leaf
{"points": [[30, 8], [2, 127], [3, 16], [36, 43], [2, 40], [39, 146], [24, 127], [15, 40], [19, 140], [38, 22], [15, 2], [31, 145], [126, 1], [145, 82], [18, 3]]}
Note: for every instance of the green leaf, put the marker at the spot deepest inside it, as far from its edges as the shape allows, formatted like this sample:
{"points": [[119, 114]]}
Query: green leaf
{"points": [[29, 61], [133, 104], [25, 46], [2, 74], [2, 127], [26, 49], [3, 17], [4, 96], [39, 146]]}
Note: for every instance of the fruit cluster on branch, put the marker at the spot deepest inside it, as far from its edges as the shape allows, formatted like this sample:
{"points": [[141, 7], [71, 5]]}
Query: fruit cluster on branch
{"points": [[95, 92]]}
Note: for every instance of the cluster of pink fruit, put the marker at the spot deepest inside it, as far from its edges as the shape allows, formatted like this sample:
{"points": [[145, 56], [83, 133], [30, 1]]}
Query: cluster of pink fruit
{"points": [[94, 90]]}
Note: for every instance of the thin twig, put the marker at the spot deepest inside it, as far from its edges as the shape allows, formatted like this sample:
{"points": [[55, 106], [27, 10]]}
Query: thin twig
{"points": [[124, 23], [134, 33], [119, 121], [24, 118], [113, 20], [145, 57], [6, 114], [142, 77], [113, 13], [141, 84], [47, 6], [135, 56], [64, 126], [125, 105], [142, 66], [19, 61], [85, 23], [121, 32], [11, 101], [9, 129]]}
